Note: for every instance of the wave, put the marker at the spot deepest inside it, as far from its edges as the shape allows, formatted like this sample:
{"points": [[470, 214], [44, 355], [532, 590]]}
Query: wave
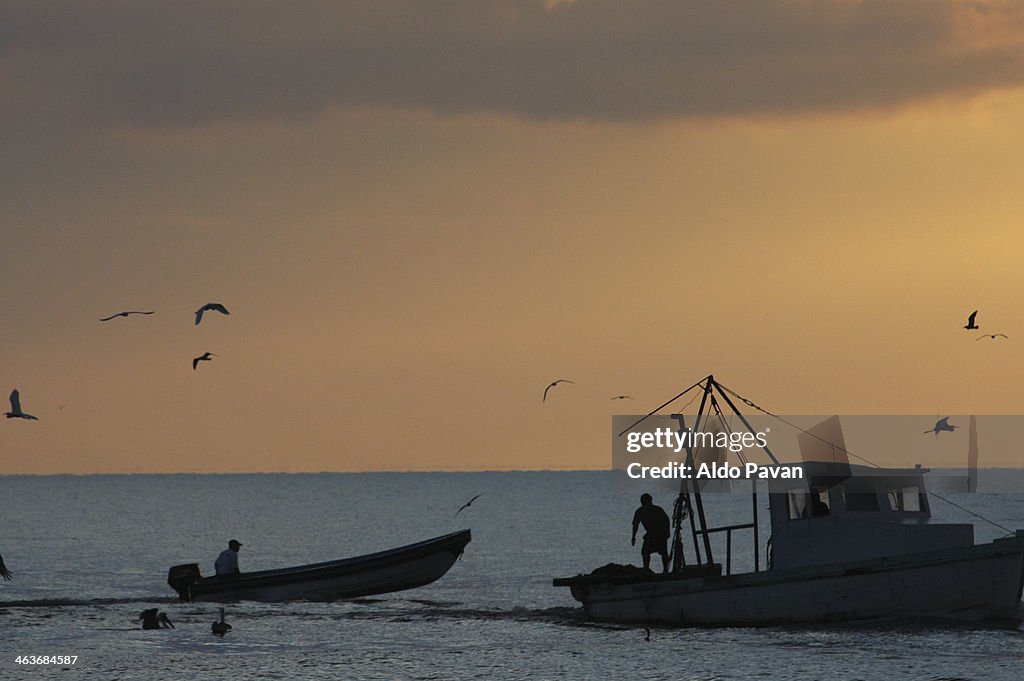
{"points": [[82, 602]]}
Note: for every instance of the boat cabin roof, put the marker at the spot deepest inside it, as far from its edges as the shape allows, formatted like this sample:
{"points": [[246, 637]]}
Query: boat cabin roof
{"points": [[823, 475]]}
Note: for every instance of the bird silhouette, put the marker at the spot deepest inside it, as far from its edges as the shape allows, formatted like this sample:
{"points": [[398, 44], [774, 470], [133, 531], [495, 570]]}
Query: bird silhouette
{"points": [[970, 326], [467, 504], [992, 335], [4, 572], [941, 425], [217, 307], [16, 412], [561, 380], [205, 357], [622, 397], [125, 314], [220, 627], [154, 619]]}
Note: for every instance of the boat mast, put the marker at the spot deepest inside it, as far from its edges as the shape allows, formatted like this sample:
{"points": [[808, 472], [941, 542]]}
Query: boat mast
{"points": [[697, 509], [689, 488]]}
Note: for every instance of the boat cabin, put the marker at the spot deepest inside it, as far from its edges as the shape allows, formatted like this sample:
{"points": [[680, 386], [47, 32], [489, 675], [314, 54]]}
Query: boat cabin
{"points": [[841, 512]]}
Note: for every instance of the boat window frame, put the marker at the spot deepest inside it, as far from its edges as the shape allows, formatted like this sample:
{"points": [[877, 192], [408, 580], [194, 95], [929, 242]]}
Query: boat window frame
{"points": [[861, 492], [804, 510], [793, 511], [902, 490]]}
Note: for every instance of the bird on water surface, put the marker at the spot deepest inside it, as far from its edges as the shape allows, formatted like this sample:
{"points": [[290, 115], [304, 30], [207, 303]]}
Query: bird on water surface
{"points": [[154, 619], [220, 627]]}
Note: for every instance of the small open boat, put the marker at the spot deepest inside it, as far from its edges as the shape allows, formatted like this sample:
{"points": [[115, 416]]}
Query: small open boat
{"points": [[397, 569]]}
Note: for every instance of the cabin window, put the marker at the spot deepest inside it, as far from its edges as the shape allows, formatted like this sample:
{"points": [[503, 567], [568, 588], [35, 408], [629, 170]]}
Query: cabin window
{"points": [[797, 504], [905, 499], [819, 502], [860, 500]]}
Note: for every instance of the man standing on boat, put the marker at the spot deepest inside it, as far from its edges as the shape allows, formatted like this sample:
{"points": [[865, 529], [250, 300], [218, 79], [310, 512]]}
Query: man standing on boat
{"points": [[227, 561], [658, 529]]}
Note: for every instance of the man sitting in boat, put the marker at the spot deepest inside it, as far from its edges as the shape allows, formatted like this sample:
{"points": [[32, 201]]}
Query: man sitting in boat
{"points": [[658, 528], [227, 561]]}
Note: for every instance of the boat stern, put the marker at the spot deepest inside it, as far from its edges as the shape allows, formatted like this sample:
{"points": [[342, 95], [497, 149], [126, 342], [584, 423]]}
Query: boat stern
{"points": [[182, 577]]}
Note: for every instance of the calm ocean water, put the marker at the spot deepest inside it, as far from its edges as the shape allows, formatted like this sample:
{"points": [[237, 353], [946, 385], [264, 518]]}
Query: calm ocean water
{"points": [[89, 553]]}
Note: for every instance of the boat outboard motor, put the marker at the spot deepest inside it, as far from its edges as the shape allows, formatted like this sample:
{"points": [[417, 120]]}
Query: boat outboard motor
{"points": [[182, 577]]}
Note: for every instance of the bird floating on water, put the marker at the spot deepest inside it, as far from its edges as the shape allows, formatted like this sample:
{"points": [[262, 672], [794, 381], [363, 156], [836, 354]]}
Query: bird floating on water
{"points": [[154, 619], [992, 335], [125, 314], [561, 380], [970, 326], [217, 307], [941, 425], [4, 572], [467, 504], [219, 628], [622, 397], [205, 357], [16, 412]]}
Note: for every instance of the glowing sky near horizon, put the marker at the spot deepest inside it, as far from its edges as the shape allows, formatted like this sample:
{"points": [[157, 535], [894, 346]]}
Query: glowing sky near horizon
{"points": [[421, 214]]}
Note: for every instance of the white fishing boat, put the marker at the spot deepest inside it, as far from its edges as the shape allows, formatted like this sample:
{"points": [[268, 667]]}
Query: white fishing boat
{"points": [[847, 542]]}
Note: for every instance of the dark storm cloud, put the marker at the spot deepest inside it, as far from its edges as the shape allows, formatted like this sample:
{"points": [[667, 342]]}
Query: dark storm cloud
{"points": [[189, 63]]}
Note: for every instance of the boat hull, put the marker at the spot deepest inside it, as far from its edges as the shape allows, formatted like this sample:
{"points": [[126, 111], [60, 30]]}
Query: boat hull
{"points": [[974, 582], [397, 569]]}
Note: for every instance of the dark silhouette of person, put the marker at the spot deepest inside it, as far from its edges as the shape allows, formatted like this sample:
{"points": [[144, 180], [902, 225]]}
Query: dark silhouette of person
{"points": [[227, 561], [657, 527], [818, 505]]}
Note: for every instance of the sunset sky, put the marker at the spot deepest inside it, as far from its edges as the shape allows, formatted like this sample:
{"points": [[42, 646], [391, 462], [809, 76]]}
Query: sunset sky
{"points": [[420, 214]]}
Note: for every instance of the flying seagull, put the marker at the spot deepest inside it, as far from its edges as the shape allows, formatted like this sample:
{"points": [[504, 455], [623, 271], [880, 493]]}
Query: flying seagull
{"points": [[467, 504], [209, 306], [991, 335], [561, 380], [4, 572], [941, 425], [16, 412], [970, 326], [622, 397], [125, 314], [205, 357]]}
